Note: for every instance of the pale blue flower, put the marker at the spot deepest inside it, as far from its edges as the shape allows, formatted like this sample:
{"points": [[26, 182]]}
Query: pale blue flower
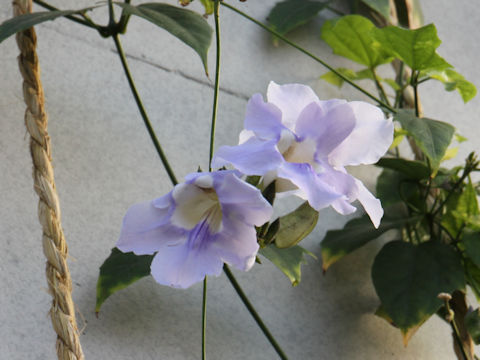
{"points": [[304, 144], [197, 227]]}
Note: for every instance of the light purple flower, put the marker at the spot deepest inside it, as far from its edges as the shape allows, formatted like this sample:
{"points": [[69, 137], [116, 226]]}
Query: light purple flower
{"points": [[197, 227], [304, 144]]}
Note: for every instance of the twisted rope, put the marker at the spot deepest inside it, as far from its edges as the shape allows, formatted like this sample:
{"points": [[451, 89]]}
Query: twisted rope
{"points": [[62, 311]]}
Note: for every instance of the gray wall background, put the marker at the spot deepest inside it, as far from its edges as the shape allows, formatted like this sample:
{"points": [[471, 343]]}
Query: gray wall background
{"points": [[104, 161]]}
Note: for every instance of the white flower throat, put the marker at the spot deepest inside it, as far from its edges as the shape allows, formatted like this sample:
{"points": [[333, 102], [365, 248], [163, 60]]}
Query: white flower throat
{"points": [[196, 203], [297, 151]]}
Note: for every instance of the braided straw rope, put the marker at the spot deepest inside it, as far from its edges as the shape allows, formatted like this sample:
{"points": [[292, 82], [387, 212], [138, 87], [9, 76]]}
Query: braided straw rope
{"points": [[62, 311]]}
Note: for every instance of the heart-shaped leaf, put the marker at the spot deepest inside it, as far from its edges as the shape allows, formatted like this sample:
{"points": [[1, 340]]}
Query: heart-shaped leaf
{"points": [[432, 136], [394, 187], [408, 278], [417, 48], [119, 271], [415, 170], [471, 240], [358, 232], [289, 260], [290, 14], [454, 81], [351, 37]]}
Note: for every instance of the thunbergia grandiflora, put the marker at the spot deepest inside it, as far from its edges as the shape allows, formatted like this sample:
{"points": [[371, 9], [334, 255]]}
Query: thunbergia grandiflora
{"points": [[304, 144], [201, 224]]}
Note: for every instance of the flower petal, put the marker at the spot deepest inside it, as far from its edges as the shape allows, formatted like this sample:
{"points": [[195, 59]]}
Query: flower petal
{"points": [[242, 201], [291, 99], [372, 206], [328, 127], [237, 244], [180, 267], [369, 140], [254, 157], [343, 206], [318, 193], [343, 183], [145, 230], [264, 119]]}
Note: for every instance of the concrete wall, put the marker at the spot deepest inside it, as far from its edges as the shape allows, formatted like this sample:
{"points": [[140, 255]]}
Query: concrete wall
{"points": [[104, 162]]}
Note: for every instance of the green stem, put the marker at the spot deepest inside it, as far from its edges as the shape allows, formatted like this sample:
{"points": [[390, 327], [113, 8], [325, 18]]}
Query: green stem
{"points": [[423, 80], [317, 59], [456, 332], [429, 183], [217, 83], [123, 22], [399, 81], [86, 22], [415, 92], [210, 155], [408, 231], [111, 14], [444, 229], [450, 193], [254, 314], [173, 179], [381, 90], [204, 318], [458, 339], [143, 113]]}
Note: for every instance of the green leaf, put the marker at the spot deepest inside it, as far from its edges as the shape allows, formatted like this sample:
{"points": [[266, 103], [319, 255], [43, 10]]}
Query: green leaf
{"points": [[290, 14], [398, 136], [415, 170], [295, 226], [351, 37], [431, 136], [460, 207], [392, 83], [472, 272], [381, 313], [472, 323], [394, 187], [336, 80], [269, 192], [26, 21], [271, 232], [417, 48], [449, 221], [253, 180], [186, 25], [454, 81], [380, 6], [208, 5], [118, 271], [450, 153], [471, 241], [460, 138], [358, 232], [289, 261], [408, 278], [468, 200], [473, 222]]}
